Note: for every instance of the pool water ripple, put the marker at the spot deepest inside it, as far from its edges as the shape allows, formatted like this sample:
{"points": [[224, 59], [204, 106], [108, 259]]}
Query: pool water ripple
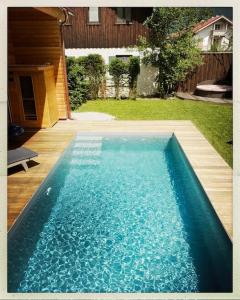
{"points": [[119, 226]]}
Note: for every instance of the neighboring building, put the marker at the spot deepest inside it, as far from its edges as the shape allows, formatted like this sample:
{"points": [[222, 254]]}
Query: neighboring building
{"points": [[37, 82], [110, 32], [105, 27], [214, 34], [113, 32]]}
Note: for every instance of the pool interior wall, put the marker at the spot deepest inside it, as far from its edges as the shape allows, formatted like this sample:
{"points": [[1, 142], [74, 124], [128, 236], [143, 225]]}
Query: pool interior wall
{"points": [[120, 214]]}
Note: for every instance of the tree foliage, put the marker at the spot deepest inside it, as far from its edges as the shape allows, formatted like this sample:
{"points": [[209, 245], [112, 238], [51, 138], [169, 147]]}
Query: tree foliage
{"points": [[77, 85], [133, 72], [171, 46], [118, 69], [85, 76], [95, 71]]}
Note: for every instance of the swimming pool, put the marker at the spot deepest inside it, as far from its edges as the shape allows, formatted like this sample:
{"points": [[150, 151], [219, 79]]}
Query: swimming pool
{"points": [[121, 213]]}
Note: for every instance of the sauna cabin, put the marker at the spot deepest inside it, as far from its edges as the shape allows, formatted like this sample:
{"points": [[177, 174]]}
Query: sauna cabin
{"points": [[32, 95]]}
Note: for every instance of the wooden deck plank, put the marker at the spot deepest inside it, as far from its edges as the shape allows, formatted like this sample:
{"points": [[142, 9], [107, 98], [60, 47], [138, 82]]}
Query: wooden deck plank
{"points": [[212, 171], [22, 185]]}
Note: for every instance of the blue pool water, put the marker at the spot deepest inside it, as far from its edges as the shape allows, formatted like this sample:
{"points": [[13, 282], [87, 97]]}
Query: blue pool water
{"points": [[120, 214]]}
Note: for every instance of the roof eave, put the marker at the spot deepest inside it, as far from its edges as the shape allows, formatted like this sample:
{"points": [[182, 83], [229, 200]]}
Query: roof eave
{"points": [[220, 17], [55, 12]]}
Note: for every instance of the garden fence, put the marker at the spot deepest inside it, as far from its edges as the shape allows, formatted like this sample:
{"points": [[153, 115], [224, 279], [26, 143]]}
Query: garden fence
{"points": [[216, 66]]}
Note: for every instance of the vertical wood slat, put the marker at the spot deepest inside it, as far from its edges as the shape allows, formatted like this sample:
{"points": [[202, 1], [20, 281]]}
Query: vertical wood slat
{"points": [[216, 67]]}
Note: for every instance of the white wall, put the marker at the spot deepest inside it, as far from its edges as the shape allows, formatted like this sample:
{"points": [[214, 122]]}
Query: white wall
{"points": [[205, 36], [204, 39], [104, 52], [145, 84]]}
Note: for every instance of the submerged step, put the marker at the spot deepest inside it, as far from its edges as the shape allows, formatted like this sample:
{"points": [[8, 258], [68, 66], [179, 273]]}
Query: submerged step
{"points": [[87, 145], [86, 152], [85, 162], [88, 138]]}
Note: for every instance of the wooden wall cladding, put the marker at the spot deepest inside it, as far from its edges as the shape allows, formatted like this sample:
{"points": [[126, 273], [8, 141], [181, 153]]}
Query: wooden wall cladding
{"points": [[106, 34], [216, 66], [35, 39], [44, 90]]}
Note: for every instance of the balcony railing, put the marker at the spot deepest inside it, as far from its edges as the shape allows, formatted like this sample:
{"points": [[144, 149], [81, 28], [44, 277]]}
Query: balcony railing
{"points": [[219, 32]]}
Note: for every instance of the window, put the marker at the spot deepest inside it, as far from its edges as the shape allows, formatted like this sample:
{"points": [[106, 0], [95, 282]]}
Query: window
{"points": [[28, 98], [124, 15], [217, 26], [124, 57], [93, 15]]}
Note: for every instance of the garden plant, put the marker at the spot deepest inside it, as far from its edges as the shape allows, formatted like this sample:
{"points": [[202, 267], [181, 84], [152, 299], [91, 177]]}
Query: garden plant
{"points": [[171, 47], [133, 72], [77, 84], [118, 69], [95, 71]]}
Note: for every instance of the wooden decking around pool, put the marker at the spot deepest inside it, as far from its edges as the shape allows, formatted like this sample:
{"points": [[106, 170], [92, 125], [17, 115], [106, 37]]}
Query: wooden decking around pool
{"points": [[213, 172]]}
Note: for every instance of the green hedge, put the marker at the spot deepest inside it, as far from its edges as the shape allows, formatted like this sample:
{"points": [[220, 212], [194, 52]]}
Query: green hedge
{"points": [[86, 76]]}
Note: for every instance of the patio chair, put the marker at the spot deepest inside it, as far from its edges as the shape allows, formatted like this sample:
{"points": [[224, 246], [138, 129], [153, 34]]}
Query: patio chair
{"points": [[20, 156]]}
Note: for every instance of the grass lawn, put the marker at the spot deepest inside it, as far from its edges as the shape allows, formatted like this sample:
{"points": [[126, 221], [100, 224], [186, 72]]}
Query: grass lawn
{"points": [[213, 120]]}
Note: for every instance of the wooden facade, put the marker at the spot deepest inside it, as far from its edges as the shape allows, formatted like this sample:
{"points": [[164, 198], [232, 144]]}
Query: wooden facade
{"points": [[108, 33], [216, 66], [35, 38]]}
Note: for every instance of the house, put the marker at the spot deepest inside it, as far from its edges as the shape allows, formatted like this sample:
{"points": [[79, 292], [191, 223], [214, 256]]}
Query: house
{"points": [[105, 27], [214, 34], [113, 32], [110, 32], [37, 82]]}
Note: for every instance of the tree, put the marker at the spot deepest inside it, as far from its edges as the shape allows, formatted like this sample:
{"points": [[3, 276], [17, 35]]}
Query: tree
{"points": [[133, 72], [171, 46], [118, 69], [77, 85], [95, 71]]}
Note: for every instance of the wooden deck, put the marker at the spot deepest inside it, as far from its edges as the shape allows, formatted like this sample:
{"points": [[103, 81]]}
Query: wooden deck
{"points": [[213, 172], [191, 96]]}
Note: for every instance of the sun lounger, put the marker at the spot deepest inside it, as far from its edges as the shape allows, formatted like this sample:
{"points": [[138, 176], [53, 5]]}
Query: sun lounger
{"points": [[20, 156]]}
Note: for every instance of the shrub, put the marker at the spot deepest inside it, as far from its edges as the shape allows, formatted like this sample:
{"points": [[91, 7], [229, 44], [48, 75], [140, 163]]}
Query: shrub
{"points": [[118, 69], [133, 72], [77, 84], [95, 71]]}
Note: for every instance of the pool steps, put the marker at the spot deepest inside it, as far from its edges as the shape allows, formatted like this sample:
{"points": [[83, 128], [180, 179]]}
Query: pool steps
{"points": [[89, 138], [86, 152], [85, 162], [86, 147]]}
